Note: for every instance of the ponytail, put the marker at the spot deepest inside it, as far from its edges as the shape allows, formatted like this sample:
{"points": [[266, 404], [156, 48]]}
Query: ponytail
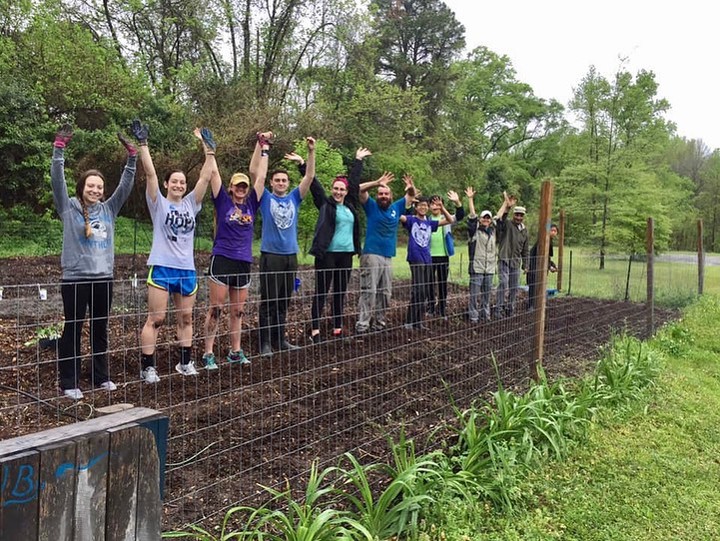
{"points": [[86, 217]]}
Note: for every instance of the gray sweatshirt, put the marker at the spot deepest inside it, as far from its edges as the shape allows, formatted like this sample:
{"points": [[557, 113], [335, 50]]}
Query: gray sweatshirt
{"points": [[88, 258]]}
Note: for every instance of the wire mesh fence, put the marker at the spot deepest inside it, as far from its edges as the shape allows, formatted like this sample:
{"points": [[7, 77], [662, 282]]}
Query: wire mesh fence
{"points": [[240, 427]]}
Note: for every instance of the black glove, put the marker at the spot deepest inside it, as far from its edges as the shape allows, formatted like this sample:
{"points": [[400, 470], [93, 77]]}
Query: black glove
{"points": [[140, 131]]}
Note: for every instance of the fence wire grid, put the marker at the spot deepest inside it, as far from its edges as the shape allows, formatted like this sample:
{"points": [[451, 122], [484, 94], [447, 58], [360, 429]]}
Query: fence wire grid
{"points": [[243, 426]]}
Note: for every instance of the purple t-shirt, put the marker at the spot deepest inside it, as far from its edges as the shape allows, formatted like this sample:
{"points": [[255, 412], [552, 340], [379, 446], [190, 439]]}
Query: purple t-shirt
{"points": [[235, 226], [419, 241]]}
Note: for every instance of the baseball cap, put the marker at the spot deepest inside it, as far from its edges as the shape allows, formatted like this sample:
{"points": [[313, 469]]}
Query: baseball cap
{"points": [[239, 178], [519, 210], [486, 214]]}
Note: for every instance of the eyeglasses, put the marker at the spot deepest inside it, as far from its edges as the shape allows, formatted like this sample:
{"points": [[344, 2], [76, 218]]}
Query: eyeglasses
{"points": [[519, 214]]}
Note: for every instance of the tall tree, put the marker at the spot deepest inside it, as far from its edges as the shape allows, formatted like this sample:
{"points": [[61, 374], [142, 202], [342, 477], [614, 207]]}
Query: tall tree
{"points": [[418, 40], [623, 132]]}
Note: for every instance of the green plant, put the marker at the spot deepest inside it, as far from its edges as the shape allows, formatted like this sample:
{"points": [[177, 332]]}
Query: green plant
{"points": [[51, 332], [624, 371], [675, 339], [396, 510], [196, 533], [309, 519]]}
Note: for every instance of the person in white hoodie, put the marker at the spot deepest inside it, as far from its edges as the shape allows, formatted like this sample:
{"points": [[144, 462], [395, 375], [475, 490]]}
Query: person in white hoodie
{"points": [[87, 260]]}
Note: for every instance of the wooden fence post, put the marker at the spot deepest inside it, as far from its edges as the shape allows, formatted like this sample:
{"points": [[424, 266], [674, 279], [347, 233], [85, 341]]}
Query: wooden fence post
{"points": [[701, 258], [541, 266], [96, 479], [650, 250]]}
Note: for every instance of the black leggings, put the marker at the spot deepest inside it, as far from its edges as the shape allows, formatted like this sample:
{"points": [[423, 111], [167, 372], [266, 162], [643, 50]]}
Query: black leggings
{"points": [[332, 270], [77, 297], [440, 268]]}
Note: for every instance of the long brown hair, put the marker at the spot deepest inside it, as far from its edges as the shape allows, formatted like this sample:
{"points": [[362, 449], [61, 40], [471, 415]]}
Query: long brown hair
{"points": [[79, 189]]}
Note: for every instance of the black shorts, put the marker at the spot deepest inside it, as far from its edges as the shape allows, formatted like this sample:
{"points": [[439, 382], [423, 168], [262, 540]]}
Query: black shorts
{"points": [[229, 272]]}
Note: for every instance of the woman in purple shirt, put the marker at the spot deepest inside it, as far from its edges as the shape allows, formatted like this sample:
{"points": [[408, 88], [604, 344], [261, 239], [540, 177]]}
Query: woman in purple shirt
{"points": [[235, 211]]}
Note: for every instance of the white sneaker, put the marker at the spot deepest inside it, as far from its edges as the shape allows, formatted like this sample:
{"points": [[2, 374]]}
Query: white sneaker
{"points": [[186, 369], [149, 375], [108, 386], [74, 394]]}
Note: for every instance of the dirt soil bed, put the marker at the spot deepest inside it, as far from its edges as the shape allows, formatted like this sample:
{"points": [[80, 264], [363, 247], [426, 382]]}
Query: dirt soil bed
{"points": [[237, 428]]}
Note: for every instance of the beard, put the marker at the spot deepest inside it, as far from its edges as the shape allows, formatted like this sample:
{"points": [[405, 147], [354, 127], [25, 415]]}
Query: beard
{"points": [[384, 203]]}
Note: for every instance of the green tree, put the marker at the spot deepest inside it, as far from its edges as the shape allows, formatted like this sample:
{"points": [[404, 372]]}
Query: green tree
{"points": [[623, 133], [418, 40]]}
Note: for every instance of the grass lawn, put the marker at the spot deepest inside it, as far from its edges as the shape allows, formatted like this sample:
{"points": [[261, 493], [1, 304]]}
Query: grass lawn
{"points": [[652, 473]]}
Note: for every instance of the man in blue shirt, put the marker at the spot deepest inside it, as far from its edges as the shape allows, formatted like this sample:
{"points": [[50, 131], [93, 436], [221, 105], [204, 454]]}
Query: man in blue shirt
{"points": [[278, 250], [383, 216]]}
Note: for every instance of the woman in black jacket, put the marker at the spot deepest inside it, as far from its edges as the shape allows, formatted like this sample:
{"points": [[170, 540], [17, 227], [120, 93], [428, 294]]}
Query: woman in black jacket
{"points": [[336, 241]]}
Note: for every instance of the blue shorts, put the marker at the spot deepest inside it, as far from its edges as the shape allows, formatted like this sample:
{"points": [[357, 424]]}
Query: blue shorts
{"points": [[173, 280]]}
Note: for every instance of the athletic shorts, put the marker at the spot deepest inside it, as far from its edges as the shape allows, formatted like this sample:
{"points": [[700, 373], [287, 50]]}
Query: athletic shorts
{"points": [[229, 272], [173, 280]]}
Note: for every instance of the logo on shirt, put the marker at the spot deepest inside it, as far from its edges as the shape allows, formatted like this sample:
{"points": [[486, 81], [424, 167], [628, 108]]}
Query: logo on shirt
{"points": [[238, 216], [421, 234], [180, 223], [283, 213], [98, 229]]}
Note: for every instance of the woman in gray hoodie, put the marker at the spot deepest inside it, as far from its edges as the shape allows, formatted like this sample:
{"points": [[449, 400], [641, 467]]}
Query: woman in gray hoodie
{"points": [[87, 260]]}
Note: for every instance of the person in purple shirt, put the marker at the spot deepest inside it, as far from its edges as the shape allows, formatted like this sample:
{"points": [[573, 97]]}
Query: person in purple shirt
{"points": [[420, 230], [229, 272]]}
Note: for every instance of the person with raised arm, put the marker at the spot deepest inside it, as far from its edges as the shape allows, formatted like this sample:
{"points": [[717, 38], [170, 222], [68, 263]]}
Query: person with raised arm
{"points": [[383, 217], [442, 246], [420, 230], [512, 239], [87, 260], [235, 210], [482, 251], [278, 250], [171, 261], [335, 242]]}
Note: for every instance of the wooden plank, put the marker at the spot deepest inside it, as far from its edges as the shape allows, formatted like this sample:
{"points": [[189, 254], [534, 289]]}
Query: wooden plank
{"points": [[91, 487], [149, 508], [58, 468], [121, 512], [19, 496], [159, 426], [76, 430]]}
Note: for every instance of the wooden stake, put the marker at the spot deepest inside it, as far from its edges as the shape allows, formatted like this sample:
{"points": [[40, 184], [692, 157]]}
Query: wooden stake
{"points": [[541, 265]]}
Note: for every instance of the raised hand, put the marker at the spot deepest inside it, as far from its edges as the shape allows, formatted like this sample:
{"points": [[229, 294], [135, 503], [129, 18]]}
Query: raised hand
{"points": [[408, 180], [453, 196], [63, 136], [265, 139], [470, 192], [207, 138], [131, 149], [386, 178], [361, 153], [294, 157], [510, 200], [140, 131], [310, 143]]}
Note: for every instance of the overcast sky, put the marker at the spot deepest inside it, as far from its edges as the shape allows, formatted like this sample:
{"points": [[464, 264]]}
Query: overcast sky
{"points": [[553, 43]]}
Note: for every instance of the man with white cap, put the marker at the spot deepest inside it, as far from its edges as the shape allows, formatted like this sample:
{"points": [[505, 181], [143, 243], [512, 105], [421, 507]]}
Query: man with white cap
{"points": [[482, 248], [512, 255]]}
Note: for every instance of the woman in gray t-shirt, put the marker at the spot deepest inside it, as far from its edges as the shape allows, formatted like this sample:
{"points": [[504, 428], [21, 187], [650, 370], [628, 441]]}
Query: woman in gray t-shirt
{"points": [[171, 260]]}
